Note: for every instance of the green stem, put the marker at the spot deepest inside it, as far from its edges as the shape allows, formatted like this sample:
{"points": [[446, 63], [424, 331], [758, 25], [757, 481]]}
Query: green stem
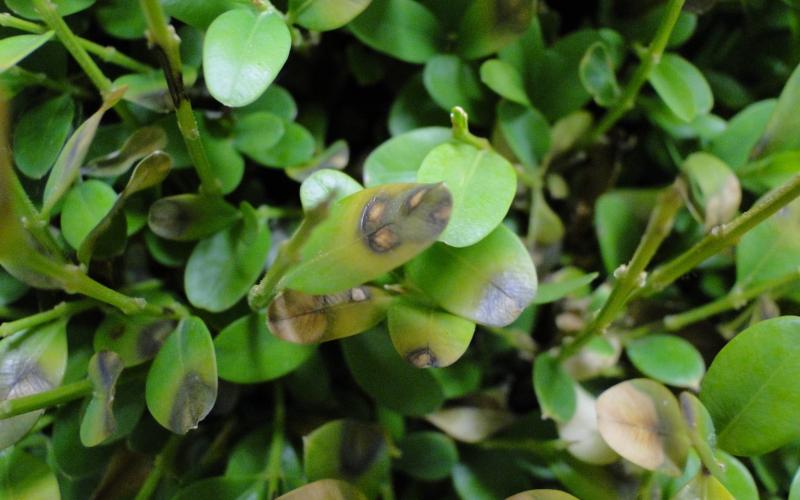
{"points": [[650, 59], [273, 471], [163, 36], [546, 449], [41, 400], [162, 461], [460, 123], [262, 294], [736, 299], [721, 237], [64, 309], [107, 53], [631, 276]]}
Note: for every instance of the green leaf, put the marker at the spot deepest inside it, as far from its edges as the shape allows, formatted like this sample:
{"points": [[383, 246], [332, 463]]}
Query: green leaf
{"points": [[770, 172], [556, 290], [35, 152], [188, 217], [389, 225], [222, 268], [325, 15], [226, 163], [555, 390], [256, 132], [11, 288], [85, 205], [387, 378], [482, 183], [13, 49], [429, 456], [26, 9], [122, 19], [326, 186], [746, 389], [619, 219], [733, 145], [542, 495], [426, 337], [242, 53], [143, 142], [69, 161], [200, 14], [490, 283], [526, 131], [70, 456], [505, 80], [99, 423], [150, 90], [777, 135], [349, 450], [404, 29], [325, 488], [597, 75], [308, 319], [413, 108], [222, 488], [135, 339], [276, 100], [714, 187], [704, 487], [490, 25], [399, 158], [182, 382], [31, 361], [668, 359], [682, 87], [24, 477], [295, 147], [641, 420], [248, 353], [737, 478], [794, 490], [452, 82]]}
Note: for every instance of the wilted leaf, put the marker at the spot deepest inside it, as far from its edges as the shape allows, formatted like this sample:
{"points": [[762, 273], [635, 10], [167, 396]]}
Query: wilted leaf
{"points": [[353, 451], [427, 337], [597, 74], [369, 233], [182, 382], [715, 188], [640, 419], [187, 217], [490, 283], [308, 319], [581, 433], [141, 143], [248, 353], [470, 424], [98, 422]]}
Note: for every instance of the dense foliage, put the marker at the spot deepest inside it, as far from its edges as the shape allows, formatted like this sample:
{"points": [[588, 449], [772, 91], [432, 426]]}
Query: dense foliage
{"points": [[399, 249]]}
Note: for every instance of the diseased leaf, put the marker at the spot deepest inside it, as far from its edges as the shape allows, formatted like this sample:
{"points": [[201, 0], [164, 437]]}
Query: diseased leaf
{"points": [[490, 283], [31, 361], [182, 382], [141, 143], [242, 53], [640, 419], [309, 319], [427, 337], [388, 225], [349, 450], [248, 353], [597, 74], [188, 217], [581, 432], [99, 423], [482, 184], [470, 424], [715, 188]]}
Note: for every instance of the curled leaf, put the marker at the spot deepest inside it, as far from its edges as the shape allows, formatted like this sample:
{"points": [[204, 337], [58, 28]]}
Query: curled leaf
{"points": [[640, 419], [581, 433], [368, 234], [426, 337], [715, 188], [141, 143], [307, 319], [98, 422], [187, 217], [470, 424]]}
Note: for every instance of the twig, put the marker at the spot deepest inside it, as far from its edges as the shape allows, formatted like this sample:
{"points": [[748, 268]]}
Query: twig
{"points": [[64, 309]]}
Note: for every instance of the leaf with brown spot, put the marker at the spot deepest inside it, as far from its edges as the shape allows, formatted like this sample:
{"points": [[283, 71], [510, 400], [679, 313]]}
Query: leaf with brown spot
{"points": [[490, 282], [640, 419], [188, 217], [308, 319], [182, 382], [368, 234], [427, 337]]}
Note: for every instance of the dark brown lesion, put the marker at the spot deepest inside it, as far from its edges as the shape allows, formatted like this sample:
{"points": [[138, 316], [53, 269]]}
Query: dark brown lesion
{"points": [[424, 357], [361, 446], [192, 403], [377, 226], [152, 337]]}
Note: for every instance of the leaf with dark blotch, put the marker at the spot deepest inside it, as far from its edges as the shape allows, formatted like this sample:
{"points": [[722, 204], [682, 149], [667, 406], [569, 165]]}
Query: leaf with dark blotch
{"points": [[307, 319], [182, 382], [107, 238], [31, 361], [349, 450], [141, 143], [640, 419], [427, 337], [490, 282], [135, 339], [98, 422], [68, 164], [368, 234], [187, 217]]}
